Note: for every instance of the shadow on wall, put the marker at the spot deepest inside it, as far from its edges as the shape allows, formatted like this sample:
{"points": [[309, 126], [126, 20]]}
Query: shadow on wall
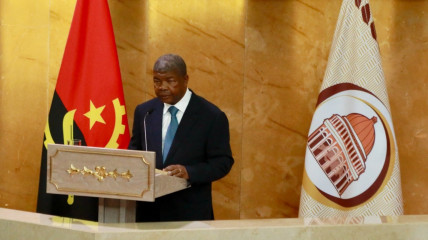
{"points": [[130, 30], [406, 75], [272, 82]]}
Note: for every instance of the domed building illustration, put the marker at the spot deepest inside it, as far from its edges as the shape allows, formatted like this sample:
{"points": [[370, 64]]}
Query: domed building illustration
{"points": [[341, 146]]}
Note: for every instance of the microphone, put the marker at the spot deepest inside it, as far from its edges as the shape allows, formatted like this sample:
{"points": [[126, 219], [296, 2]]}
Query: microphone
{"points": [[145, 132]]}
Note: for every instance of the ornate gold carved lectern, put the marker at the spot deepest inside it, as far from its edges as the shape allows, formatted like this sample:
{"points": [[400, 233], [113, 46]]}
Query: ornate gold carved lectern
{"points": [[118, 177]]}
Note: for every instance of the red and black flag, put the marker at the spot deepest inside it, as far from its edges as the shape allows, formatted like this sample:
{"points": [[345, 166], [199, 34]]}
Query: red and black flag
{"points": [[88, 103]]}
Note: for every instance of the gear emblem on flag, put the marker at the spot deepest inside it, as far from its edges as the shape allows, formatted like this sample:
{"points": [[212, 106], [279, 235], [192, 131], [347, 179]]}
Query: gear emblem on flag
{"points": [[119, 127]]}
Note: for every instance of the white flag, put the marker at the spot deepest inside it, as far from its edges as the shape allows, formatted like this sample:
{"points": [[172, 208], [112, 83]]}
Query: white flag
{"points": [[352, 164]]}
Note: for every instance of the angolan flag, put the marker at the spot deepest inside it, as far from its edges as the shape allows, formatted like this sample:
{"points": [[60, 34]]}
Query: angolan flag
{"points": [[88, 102], [352, 164]]}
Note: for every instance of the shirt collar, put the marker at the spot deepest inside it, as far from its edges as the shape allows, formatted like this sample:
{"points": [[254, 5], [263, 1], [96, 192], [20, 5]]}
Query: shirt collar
{"points": [[182, 104]]}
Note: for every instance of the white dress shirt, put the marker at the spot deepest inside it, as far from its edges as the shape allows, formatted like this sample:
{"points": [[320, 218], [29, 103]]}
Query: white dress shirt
{"points": [[181, 106]]}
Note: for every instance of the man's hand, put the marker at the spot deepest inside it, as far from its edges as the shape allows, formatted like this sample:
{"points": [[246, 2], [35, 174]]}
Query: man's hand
{"points": [[177, 171]]}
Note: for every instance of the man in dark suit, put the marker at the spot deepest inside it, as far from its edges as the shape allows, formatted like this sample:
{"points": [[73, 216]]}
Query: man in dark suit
{"points": [[199, 151]]}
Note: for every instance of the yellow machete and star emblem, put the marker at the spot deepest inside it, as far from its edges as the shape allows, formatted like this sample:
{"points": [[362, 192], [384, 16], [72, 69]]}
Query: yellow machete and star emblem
{"points": [[94, 116]]}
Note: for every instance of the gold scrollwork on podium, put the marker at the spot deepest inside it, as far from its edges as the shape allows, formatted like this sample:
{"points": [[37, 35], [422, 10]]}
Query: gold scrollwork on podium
{"points": [[100, 173]]}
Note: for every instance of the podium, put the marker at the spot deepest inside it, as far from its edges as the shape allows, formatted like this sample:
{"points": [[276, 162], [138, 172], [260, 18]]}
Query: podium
{"points": [[117, 177]]}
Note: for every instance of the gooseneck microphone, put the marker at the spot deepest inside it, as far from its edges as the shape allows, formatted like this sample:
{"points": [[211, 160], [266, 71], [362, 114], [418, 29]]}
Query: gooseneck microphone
{"points": [[145, 132]]}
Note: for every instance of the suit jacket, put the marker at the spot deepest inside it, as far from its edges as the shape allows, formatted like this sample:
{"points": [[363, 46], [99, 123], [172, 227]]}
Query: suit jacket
{"points": [[201, 144]]}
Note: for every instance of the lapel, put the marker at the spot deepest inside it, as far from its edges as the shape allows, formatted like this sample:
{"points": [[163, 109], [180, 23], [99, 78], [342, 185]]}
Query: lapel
{"points": [[185, 126], [154, 132]]}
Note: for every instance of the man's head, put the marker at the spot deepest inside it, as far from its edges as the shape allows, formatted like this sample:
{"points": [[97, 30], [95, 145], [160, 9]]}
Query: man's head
{"points": [[170, 78]]}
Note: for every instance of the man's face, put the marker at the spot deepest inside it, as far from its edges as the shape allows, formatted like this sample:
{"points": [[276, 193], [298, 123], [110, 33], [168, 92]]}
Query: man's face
{"points": [[170, 87]]}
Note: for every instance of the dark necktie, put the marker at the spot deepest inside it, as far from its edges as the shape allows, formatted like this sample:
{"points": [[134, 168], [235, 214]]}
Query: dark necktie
{"points": [[171, 131]]}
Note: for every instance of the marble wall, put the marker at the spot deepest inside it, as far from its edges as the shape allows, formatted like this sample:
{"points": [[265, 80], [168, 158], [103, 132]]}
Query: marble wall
{"points": [[24, 98], [261, 61]]}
